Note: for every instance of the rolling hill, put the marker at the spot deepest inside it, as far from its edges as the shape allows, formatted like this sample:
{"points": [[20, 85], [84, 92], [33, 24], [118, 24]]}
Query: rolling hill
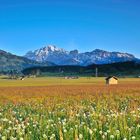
{"points": [[10, 62]]}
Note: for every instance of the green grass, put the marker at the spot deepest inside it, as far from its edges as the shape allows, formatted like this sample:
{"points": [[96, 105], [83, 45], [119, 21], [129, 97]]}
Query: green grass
{"points": [[47, 81], [70, 120]]}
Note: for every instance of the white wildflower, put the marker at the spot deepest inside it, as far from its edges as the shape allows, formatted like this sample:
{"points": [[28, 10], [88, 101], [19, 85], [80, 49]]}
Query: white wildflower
{"points": [[80, 136], [133, 137], [112, 136]]}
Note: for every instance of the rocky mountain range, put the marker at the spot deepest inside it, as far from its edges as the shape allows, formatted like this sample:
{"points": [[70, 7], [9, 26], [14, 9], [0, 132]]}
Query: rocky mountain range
{"points": [[51, 56], [62, 57]]}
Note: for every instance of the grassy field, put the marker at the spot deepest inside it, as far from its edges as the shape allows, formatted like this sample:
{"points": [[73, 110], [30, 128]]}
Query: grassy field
{"points": [[68, 109], [48, 81]]}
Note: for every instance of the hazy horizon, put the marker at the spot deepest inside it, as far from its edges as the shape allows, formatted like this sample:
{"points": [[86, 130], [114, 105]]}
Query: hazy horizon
{"points": [[110, 25]]}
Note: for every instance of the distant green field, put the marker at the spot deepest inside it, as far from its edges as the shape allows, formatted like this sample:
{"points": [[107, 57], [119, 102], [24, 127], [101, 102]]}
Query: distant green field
{"points": [[47, 81]]}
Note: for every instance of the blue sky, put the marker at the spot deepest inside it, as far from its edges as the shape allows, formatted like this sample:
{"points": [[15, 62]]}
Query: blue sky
{"points": [[112, 25]]}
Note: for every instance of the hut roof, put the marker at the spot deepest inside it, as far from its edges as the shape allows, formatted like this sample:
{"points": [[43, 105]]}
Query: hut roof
{"points": [[111, 77]]}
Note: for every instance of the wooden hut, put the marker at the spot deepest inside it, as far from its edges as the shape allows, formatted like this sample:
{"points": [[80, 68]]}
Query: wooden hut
{"points": [[111, 80]]}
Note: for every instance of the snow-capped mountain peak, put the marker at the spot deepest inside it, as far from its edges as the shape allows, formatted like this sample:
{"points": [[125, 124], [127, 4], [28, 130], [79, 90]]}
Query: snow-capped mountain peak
{"points": [[51, 48], [60, 56], [47, 49]]}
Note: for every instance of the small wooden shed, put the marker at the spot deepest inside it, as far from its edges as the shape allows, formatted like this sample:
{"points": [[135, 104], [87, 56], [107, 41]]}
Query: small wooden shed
{"points": [[111, 80]]}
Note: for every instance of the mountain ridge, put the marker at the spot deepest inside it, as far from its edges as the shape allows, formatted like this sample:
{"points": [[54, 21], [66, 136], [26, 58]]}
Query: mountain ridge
{"points": [[60, 56]]}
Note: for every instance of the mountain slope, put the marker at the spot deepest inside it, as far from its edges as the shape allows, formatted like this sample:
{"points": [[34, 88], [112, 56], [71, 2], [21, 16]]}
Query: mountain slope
{"points": [[63, 57], [118, 69], [9, 61]]}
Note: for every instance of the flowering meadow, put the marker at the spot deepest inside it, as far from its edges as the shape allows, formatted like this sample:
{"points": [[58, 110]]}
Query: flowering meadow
{"points": [[70, 112]]}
